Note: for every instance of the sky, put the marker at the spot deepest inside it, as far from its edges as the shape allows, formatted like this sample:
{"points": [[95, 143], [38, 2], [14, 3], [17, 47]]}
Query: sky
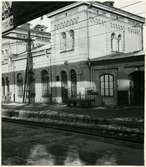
{"points": [[133, 6]]}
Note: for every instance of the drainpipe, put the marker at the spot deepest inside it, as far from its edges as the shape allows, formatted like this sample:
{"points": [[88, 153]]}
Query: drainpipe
{"points": [[142, 37], [88, 45], [50, 80], [14, 80]]}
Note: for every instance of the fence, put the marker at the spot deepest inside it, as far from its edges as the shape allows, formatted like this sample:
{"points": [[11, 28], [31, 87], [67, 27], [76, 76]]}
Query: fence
{"points": [[84, 100]]}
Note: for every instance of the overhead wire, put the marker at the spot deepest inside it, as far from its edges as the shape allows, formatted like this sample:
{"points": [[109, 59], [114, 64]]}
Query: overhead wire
{"points": [[110, 20], [92, 18], [130, 4], [95, 35]]}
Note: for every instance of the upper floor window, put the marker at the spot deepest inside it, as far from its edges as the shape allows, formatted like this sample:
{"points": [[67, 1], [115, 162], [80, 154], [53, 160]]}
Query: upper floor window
{"points": [[63, 41], [71, 39], [116, 42], [107, 85], [67, 40], [119, 43], [113, 42]]}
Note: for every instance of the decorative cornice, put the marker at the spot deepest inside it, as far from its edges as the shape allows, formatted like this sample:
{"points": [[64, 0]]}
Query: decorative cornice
{"points": [[99, 5]]}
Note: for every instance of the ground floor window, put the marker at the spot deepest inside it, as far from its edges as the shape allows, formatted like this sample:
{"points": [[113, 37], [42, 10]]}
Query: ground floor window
{"points": [[45, 83], [7, 84], [106, 85], [64, 86], [20, 85], [3, 86], [73, 83]]}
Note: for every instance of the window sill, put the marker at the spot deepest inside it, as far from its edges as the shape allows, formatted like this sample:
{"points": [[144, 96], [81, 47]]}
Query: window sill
{"points": [[106, 96], [45, 96], [69, 50]]}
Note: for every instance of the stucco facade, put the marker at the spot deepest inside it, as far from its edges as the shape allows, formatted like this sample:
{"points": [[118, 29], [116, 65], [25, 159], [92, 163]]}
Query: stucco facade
{"points": [[93, 47]]}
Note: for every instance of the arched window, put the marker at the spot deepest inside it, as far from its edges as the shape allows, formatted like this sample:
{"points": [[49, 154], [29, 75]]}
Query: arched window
{"points": [[71, 39], [73, 77], [31, 90], [119, 42], [113, 42], [3, 86], [107, 85], [64, 86], [45, 83], [57, 78], [7, 84], [20, 85], [63, 41]]}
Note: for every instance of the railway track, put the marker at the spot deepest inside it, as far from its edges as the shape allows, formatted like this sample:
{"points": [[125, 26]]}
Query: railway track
{"points": [[86, 130]]}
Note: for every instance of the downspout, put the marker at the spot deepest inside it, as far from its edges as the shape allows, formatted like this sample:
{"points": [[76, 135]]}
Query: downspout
{"points": [[142, 38], [88, 46], [51, 80]]}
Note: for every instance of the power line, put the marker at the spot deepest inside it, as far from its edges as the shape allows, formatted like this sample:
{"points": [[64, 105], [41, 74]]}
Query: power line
{"points": [[140, 13], [95, 35], [130, 4], [93, 25], [91, 36], [110, 20], [89, 19], [100, 14]]}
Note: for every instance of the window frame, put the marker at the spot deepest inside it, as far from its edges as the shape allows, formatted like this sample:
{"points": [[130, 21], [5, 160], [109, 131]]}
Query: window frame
{"points": [[73, 79], [63, 42], [71, 39], [45, 83], [112, 41], [109, 85], [19, 85], [119, 40]]}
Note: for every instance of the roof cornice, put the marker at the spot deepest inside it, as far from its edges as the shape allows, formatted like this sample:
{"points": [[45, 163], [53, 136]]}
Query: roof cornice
{"points": [[102, 6]]}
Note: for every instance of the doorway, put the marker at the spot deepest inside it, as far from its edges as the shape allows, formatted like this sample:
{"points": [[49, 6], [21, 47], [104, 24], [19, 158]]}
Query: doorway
{"points": [[137, 88]]}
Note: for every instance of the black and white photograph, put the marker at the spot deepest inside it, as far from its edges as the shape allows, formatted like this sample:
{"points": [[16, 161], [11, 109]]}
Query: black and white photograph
{"points": [[72, 82]]}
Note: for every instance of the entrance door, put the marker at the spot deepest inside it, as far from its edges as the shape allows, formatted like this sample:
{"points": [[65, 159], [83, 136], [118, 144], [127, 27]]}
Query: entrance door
{"points": [[137, 89], [122, 98], [64, 87]]}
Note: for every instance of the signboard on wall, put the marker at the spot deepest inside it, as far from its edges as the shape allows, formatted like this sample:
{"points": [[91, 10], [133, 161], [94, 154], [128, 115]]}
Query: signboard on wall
{"points": [[7, 16]]}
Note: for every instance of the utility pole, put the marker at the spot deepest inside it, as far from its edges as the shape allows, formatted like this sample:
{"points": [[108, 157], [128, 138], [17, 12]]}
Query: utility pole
{"points": [[29, 91]]}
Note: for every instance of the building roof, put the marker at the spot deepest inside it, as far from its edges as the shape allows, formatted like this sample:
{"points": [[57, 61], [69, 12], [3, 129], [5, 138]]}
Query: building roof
{"points": [[118, 56], [38, 51], [102, 6]]}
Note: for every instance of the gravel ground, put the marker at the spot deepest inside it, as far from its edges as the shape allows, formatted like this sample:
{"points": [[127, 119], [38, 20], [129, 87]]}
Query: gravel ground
{"points": [[25, 144]]}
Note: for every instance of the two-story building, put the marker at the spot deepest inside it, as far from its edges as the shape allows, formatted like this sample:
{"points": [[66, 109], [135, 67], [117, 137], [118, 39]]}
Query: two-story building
{"points": [[94, 46], [97, 46]]}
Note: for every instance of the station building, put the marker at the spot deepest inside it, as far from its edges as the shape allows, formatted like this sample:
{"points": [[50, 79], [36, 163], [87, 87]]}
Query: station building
{"points": [[94, 47]]}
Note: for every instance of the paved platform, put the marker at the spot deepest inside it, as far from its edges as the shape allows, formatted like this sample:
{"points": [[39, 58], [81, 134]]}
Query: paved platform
{"points": [[101, 121], [97, 112]]}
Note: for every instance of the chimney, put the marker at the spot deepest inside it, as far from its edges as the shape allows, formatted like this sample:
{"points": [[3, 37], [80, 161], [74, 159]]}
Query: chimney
{"points": [[109, 3]]}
